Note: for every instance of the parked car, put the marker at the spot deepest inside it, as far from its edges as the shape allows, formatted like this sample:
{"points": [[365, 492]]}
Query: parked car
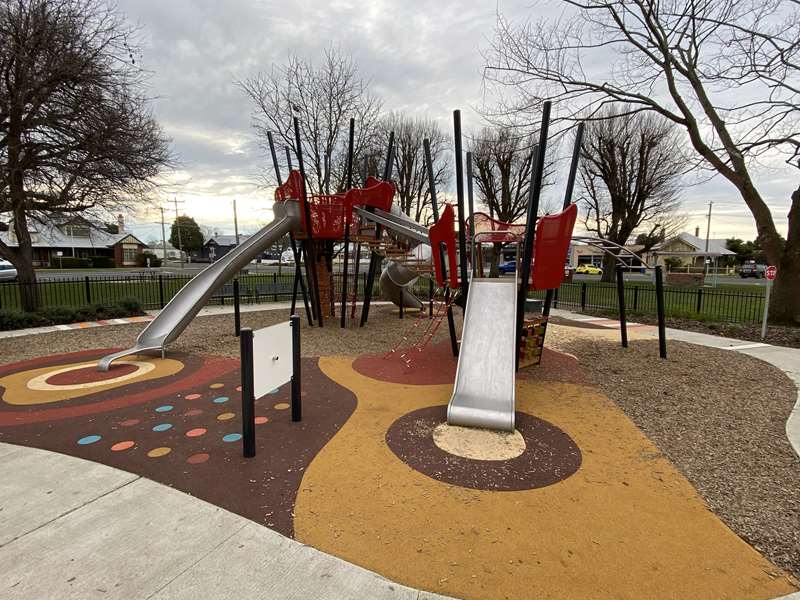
{"points": [[751, 269], [287, 256], [7, 271], [508, 267], [587, 269]]}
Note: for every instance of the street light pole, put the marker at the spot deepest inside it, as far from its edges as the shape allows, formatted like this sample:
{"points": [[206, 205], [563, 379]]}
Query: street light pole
{"points": [[708, 235]]}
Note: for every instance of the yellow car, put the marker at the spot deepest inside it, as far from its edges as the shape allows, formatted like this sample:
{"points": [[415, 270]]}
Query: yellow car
{"points": [[588, 270]]}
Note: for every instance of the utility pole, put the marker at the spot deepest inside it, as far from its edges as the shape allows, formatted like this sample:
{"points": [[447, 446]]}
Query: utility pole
{"points": [[708, 235], [235, 222], [163, 239], [178, 225]]}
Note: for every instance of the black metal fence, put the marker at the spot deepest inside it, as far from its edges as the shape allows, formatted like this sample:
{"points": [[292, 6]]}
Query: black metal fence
{"points": [[154, 290]]}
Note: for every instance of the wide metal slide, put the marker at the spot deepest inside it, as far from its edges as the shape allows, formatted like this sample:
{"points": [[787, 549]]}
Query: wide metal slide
{"points": [[185, 305], [484, 394]]}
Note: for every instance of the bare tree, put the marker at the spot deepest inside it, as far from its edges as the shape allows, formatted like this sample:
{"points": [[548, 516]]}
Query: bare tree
{"points": [[76, 133], [725, 72], [410, 173], [630, 172], [503, 159], [324, 98]]}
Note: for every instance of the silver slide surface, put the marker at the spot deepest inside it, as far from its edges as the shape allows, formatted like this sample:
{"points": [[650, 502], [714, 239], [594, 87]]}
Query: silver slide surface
{"points": [[185, 305], [483, 395]]}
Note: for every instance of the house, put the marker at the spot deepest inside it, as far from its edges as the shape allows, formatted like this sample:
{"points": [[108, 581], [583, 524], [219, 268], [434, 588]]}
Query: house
{"points": [[77, 237], [219, 245], [690, 250], [173, 254]]}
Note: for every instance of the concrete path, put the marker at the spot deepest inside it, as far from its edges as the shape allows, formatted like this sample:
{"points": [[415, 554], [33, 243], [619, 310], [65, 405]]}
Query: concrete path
{"points": [[786, 359], [70, 528]]}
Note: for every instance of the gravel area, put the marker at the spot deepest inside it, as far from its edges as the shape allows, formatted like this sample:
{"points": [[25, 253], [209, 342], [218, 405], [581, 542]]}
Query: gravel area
{"points": [[214, 335], [720, 417]]}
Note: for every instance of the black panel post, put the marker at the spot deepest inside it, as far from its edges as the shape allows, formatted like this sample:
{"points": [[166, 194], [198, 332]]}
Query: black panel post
{"points": [[471, 206], [297, 409], [248, 397], [462, 237], [623, 323], [573, 167], [662, 327], [311, 255], [237, 313]]}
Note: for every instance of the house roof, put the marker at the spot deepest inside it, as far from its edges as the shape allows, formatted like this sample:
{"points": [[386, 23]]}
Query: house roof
{"points": [[227, 240], [52, 237], [715, 247]]}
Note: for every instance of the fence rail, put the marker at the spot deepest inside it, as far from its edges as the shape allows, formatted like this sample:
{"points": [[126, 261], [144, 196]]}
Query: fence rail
{"points": [[153, 291]]}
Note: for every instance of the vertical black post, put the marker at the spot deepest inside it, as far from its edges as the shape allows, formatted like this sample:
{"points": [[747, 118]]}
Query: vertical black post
{"points": [[623, 322], [297, 407], [555, 298], [430, 298], [237, 316], [274, 158], [288, 158], [88, 286], [311, 255], [299, 280], [375, 258], [471, 206], [699, 300], [662, 328], [583, 296], [349, 185], [248, 395], [462, 237], [635, 297], [573, 167], [548, 302], [426, 144], [161, 290]]}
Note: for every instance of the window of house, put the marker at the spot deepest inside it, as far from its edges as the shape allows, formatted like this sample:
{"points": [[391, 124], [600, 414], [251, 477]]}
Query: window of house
{"points": [[128, 254]]}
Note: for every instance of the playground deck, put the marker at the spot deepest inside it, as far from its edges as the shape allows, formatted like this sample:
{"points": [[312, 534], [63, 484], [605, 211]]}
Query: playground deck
{"points": [[586, 506]]}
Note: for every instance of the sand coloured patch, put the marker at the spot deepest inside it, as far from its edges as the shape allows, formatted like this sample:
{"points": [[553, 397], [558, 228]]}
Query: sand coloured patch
{"points": [[478, 444], [626, 525]]}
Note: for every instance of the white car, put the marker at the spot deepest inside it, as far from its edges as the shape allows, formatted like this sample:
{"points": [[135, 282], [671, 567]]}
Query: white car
{"points": [[287, 257], [7, 271]]}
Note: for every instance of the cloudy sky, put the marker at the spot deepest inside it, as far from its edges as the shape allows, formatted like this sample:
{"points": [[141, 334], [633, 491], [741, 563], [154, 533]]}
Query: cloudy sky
{"points": [[422, 58]]}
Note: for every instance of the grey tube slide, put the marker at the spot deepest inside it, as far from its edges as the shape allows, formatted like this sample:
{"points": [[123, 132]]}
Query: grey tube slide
{"points": [[185, 305], [483, 395]]}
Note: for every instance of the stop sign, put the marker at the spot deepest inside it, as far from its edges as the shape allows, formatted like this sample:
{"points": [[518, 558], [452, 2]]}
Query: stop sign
{"points": [[770, 272]]}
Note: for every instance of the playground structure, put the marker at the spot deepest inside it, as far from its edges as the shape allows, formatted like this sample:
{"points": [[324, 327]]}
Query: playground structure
{"points": [[497, 338]]}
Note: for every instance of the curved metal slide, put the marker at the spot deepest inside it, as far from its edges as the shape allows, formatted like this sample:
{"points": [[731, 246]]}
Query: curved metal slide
{"points": [[484, 394], [185, 305]]}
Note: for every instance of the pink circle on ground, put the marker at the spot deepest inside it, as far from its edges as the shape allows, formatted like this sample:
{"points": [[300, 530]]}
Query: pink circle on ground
{"points": [[120, 446], [238, 388], [198, 459], [192, 396], [129, 422], [261, 420], [196, 432], [193, 412]]}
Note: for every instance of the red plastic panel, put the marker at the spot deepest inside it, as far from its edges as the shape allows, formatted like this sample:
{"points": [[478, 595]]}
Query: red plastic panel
{"points": [[444, 232], [553, 234], [378, 194], [292, 189], [488, 229]]}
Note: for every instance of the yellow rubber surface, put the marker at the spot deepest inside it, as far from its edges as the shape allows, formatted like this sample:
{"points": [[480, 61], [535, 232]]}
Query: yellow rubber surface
{"points": [[626, 525]]}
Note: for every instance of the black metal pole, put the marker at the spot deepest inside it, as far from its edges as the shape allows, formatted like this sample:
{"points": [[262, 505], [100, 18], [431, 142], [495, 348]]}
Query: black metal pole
{"points": [[426, 144], [311, 255], [573, 167], [349, 185], [298, 279], [375, 258], [297, 406], [662, 327], [237, 316], [274, 158], [471, 207], [462, 237], [288, 158], [248, 397], [623, 323], [537, 174]]}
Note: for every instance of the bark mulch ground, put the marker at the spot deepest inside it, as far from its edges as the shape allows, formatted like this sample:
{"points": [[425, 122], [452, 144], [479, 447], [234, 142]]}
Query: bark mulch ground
{"points": [[720, 417]]}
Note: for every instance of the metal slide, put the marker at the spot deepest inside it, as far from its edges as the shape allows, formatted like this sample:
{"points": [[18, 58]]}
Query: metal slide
{"points": [[483, 395], [185, 305]]}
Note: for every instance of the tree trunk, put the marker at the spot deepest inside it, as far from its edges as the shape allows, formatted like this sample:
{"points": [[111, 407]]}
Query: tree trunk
{"points": [[784, 306], [497, 251], [28, 290], [609, 268]]}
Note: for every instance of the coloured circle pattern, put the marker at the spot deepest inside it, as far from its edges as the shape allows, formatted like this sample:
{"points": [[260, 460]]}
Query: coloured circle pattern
{"points": [[120, 446], [221, 400], [129, 422], [89, 439], [281, 406], [232, 437], [164, 408], [261, 420], [158, 452], [193, 412], [198, 459], [226, 416], [196, 432], [193, 396], [216, 386], [162, 427]]}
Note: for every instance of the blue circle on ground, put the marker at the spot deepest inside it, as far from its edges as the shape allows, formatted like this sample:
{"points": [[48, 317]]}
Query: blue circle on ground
{"points": [[89, 439], [221, 400], [232, 437], [276, 390], [162, 427], [165, 408]]}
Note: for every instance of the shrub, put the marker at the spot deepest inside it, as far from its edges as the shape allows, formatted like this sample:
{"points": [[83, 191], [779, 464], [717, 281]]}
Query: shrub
{"points": [[54, 315], [103, 262], [141, 259], [72, 262]]}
